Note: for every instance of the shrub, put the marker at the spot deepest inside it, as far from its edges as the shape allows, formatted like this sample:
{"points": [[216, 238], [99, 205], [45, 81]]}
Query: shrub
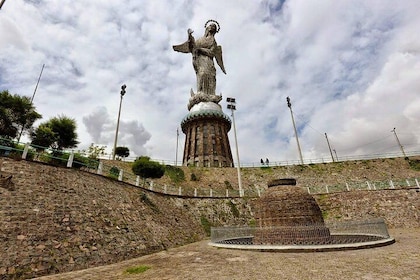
{"points": [[137, 269], [31, 152], [414, 164], [82, 161], [79, 161], [146, 168], [193, 177], [114, 172], [234, 209], [175, 173], [228, 185], [144, 198], [252, 223], [206, 225]]}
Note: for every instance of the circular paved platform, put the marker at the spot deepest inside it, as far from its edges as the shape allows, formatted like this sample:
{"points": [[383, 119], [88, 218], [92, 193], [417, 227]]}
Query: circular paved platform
{"points": [[200, 261], [307, 248]]}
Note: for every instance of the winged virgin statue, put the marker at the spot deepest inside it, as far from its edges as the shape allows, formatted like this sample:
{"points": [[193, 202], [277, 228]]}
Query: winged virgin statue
{"points": [[203, 51]]}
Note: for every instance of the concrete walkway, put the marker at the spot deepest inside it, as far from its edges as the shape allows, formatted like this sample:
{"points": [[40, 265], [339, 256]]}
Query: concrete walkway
{"points": [[201, 261]]}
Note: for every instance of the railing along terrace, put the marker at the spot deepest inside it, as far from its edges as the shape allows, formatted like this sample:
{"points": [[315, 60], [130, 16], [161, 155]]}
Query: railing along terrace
{"points": [[71, 159], [342, 232], [372, 227], [293, 162], [366, 185]]}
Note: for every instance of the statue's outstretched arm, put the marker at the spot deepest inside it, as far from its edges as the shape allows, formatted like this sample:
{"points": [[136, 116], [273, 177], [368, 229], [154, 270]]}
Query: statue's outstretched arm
{"points": [[187, 46]]}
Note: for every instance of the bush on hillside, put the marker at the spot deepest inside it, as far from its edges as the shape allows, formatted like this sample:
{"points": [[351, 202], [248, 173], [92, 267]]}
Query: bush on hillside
{"points": [[114, 172], [79, 161], [414, 164], [146, 168], [176, 174]]}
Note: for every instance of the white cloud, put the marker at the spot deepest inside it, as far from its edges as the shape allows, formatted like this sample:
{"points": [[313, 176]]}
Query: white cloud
{"points": [[351, 69], [102, 130]]}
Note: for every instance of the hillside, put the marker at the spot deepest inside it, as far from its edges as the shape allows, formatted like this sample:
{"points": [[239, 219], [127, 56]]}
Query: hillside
{"points": [[338, 173]]}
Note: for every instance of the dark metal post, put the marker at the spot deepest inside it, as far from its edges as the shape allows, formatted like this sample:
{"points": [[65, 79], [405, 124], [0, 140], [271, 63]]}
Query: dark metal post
{"points": [[33, 95], [176, 154], [118, 121], [399, 143], [289, 104], [1, 3], [336, 157], [232, 107], [329, 147]]}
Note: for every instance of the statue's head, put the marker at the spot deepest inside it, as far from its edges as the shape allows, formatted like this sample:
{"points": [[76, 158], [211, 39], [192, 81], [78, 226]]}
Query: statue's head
{"points": [[212, 26]]}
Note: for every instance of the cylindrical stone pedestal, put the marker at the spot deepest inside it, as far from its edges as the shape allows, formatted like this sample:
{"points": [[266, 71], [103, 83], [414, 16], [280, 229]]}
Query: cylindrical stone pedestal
{"points": [[206, 130]]}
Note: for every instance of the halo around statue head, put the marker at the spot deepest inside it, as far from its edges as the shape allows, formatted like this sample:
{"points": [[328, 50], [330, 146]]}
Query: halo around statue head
{"points": [[212, 20]]}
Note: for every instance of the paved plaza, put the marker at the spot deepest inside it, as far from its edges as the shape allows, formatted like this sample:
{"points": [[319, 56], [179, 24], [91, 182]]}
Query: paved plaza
{"points": [[400, 260]]}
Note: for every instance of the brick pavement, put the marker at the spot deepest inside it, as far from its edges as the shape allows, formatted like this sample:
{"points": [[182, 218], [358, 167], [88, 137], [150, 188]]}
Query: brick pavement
{"points": [[400, 260]]}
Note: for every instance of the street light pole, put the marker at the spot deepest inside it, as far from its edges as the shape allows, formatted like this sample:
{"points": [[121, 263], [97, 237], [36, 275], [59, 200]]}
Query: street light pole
{"points": [[399, 143], [329, 147], [118, 121], [336, 157], [176, 153], [232, 107], [1, 3], [289, 104], [33, 96]]}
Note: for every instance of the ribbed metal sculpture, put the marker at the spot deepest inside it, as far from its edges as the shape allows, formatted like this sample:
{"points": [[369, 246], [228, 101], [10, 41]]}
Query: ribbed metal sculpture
{"points": [[288, 219], [286, 214]]}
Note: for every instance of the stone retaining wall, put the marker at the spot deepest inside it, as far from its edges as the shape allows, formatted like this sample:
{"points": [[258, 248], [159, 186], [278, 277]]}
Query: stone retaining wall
{"points": [[57, 219], [400, 207]]}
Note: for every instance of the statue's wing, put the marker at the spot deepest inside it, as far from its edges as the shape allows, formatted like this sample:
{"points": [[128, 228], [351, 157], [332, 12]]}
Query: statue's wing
{"points": [[219, 58], [184, 48]]}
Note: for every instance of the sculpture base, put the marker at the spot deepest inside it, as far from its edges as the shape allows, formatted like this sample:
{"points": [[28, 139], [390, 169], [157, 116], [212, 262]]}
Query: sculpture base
{"points": [[206, 136], [199, 97]]}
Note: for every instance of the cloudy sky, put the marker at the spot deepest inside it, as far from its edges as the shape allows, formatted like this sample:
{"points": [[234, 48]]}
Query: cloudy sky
{"points": [[350, 67]]}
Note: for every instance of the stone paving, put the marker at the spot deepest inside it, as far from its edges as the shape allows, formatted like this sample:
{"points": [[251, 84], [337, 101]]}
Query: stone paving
{"points": [[400, 260]]}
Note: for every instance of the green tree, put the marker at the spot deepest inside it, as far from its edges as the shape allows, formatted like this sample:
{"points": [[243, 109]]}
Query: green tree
{"points": [[58, 133], [94, 151], [16, 112], [43, 136], [122, 152], [146, 168]]}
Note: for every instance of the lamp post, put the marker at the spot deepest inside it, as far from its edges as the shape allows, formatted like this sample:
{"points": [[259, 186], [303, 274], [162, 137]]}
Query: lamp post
{"points": [[33, 95], [329, 147], [336, 157], [176, 152], [232, 107], [1, 3], [289, 104], [118, 121], [399, 143]]}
